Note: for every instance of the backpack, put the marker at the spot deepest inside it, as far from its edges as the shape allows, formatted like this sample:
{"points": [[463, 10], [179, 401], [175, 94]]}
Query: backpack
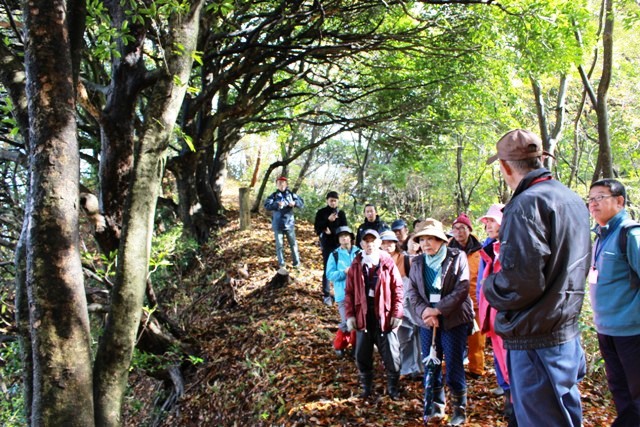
{"points": [[634, 280], [335, 254]]}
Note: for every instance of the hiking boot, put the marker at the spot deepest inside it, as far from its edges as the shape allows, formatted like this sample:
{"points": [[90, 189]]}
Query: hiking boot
{"points": [[392, 386], [367, 385], [439, 404], [459, 403]]}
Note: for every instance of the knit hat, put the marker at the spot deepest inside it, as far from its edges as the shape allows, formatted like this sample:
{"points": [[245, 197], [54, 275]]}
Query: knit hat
{"points": [[281, 178], [463, 219], [495, 212]]}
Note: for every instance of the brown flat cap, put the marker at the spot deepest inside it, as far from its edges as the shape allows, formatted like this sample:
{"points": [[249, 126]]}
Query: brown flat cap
{"points": [[518, 144]]}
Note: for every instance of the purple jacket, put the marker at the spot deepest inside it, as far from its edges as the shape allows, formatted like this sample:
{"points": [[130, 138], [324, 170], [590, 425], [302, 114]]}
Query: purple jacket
{"points": [[455, 304]]}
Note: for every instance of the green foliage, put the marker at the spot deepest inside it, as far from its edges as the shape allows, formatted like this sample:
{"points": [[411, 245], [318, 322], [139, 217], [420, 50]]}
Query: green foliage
{"points": [[12, 410], [171, 254]]}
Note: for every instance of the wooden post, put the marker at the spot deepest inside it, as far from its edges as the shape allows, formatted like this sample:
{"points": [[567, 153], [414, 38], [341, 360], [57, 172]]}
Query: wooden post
{"points": [[245, 213]]}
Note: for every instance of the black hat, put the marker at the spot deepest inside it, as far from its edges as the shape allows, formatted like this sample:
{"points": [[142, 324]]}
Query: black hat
{"points": [[332, 195]]}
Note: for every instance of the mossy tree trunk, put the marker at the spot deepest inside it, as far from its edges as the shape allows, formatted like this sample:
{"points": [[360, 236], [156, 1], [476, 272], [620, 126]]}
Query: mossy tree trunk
{"points": [[58, 320], [116, 345]]}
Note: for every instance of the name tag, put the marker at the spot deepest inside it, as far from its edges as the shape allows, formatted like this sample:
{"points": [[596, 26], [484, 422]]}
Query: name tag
{"points": [[434, 298], [593, 276], [372, 293]]}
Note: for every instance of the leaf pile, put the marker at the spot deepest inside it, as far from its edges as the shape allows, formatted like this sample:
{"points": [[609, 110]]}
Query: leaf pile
{"points": [[269, 360]]}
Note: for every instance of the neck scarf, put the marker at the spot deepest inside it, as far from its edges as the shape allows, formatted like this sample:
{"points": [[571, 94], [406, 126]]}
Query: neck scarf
{"points": [[433, 270], [371, 260]]}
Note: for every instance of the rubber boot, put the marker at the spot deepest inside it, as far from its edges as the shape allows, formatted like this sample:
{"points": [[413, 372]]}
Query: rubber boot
{"points": [[439, 404], [508, 412], [366, 380], [459, 403], [392, 385]]}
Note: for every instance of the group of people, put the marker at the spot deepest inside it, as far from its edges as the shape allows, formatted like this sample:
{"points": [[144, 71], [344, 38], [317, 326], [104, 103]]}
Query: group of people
{"points": [[523, 287]]}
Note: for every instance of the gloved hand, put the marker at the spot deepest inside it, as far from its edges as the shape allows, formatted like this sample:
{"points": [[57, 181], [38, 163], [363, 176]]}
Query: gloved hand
{"points": [[395, 322], [351, 324]]}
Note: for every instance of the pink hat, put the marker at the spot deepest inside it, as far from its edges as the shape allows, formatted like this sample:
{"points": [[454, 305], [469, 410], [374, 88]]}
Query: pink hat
{"points": [[463, 219], [495, 212]]}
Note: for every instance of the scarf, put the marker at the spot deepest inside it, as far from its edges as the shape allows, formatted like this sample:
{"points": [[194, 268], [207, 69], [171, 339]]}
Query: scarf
{"points": [[433, 270], [371, 260]]}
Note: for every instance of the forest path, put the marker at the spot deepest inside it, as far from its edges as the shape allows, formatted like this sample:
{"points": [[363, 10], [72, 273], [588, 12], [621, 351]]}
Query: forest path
{"points": [[269, 360]]}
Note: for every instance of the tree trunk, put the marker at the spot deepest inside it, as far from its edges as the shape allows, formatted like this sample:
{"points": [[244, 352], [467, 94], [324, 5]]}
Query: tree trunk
{"points": [[550, 136], [605, 161], [116, 345], [117, 127], [245, 213], [59, 323], [184, 170], [22, 316]]}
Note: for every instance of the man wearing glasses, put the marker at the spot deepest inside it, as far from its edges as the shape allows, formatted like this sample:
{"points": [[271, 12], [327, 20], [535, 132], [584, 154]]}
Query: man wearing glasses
{"points": [[615, 295]]}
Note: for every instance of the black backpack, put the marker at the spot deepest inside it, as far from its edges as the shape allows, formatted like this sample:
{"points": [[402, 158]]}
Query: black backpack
{"points": [[634, 280]]}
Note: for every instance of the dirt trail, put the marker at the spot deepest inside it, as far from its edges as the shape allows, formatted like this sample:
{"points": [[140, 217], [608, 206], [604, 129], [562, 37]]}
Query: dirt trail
{"points": [[269, 360]]}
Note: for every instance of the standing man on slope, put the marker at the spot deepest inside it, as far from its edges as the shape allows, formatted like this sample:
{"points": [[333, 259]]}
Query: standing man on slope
{"points": [[538, 293], [281, 202], [328, 219], [614, 287]]}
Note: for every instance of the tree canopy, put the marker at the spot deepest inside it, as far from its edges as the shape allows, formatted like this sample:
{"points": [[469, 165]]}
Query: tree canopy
{"points": [[125, 106]]}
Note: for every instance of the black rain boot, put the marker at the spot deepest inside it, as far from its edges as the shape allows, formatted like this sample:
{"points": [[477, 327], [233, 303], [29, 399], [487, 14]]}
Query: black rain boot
{"points": [[439, 403], [459, 403], [508, 412], [392, 385], [366, 380]]}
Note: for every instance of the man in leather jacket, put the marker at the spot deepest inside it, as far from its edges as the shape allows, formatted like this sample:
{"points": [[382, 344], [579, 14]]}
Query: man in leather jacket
{"points": [[538, 293]]}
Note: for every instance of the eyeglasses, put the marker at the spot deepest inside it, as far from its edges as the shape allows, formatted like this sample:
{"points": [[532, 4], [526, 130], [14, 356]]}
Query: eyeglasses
{"points": [[598, 199]]}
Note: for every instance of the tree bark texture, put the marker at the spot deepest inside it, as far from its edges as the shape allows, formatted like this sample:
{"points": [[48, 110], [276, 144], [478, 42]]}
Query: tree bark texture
{"points": [[22, 317], [58, 319], [605, 160], [117, 127], [116, 345], [245, 212]]}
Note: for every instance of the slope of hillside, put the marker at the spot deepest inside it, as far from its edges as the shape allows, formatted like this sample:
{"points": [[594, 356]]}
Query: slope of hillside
{"points": [[268, 359]]}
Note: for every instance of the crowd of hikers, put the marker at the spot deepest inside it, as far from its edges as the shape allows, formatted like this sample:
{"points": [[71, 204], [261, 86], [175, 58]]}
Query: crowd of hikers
{"points": [[430, 297]]}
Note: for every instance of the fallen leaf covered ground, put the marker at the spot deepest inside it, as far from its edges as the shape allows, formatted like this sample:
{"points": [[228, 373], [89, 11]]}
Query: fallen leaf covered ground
{"points": [[269, 361]]}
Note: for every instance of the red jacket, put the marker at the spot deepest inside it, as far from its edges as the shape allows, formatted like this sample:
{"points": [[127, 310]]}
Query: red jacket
{"points": [[388, 297]]}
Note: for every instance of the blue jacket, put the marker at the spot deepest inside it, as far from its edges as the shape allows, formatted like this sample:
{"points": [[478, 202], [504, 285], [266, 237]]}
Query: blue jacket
{"points": [[335, 271], [616, 304], [283, 218]]}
